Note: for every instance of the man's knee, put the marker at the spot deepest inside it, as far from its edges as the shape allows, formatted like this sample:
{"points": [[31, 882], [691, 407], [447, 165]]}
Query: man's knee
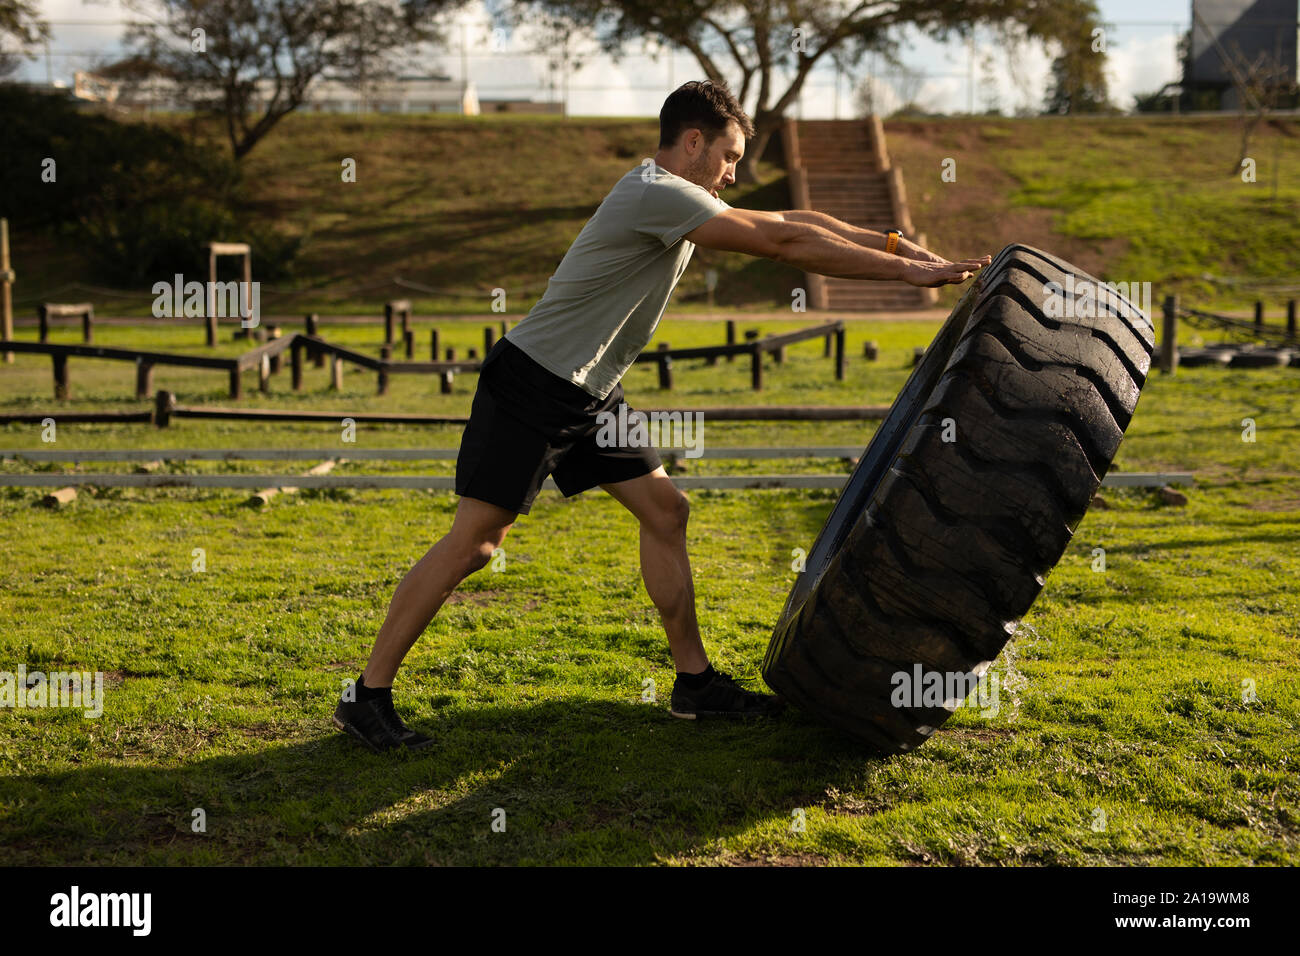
{"points": [[670, 519], [477, 555]]}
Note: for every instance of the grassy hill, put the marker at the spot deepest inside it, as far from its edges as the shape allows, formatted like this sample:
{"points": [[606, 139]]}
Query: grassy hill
{"points": [[465, 205]]}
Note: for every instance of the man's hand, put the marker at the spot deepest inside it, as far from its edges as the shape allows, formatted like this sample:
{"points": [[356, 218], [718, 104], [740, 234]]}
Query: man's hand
{"points": [[930, 274], [911, 250]]}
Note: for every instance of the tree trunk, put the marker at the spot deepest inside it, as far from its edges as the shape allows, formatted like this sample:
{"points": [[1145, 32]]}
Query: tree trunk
{"points": [[765, 124]]}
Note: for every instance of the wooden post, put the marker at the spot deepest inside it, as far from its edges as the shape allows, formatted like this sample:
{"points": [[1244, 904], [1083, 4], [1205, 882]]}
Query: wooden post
{"points": [[1290, 318], [444, 382], [826, 346], [264, 374], [43, 323], [275, 359], [489, 339], [336, 373], [143, 378], [388, 322], [665, 367], [211, 321], [406, 316], [918, 353], [409, 337], [313, 329], [472, 354], [383, 380], [6, 289], [87, 322], [839, 354], [1169, 337], [451, 354], [731, 336], [295, 365], [248, 286], [386, 353], [60, 376], [505, 327], [756, 368], [1259, 315], [163, 403], [433, 336], [236, 385], [870, 350], [779, 355]]}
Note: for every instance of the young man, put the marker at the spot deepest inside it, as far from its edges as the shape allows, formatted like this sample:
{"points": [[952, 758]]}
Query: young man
{"points": [[543, 388]]}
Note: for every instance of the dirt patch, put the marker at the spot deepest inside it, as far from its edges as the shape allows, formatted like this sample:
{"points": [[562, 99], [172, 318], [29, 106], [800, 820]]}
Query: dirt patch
{"points": [[477, 598], [489, 597], [969, 733], [785, 859]]}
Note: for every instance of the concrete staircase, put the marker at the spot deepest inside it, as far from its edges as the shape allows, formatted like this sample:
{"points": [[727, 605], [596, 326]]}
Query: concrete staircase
{"points": [[841, 168]]}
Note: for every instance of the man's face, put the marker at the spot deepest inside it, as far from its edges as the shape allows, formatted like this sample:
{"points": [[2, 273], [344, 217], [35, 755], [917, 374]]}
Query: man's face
{"points": [[714, 164]]}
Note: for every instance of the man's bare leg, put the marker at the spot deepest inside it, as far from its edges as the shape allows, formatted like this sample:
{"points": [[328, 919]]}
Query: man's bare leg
{"points": [[662, 511], [478, 529]]}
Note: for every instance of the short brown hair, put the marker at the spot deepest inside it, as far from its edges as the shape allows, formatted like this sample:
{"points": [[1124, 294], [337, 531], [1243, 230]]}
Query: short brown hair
{"points": [[701, 105]]}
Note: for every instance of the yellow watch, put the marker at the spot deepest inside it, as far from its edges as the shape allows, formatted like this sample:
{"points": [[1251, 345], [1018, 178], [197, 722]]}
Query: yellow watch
{"points": [[891, 243]]}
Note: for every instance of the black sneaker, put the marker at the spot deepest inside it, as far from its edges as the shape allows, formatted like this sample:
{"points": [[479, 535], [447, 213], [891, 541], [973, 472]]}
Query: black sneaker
{"points": [[375, 723], [721, 697]]}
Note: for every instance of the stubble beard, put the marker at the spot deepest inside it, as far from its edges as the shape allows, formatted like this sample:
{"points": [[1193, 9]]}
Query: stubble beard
{"points": [[698, 173]]}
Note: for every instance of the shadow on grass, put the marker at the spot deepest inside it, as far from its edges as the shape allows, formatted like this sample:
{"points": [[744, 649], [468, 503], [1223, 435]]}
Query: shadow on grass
{"points": [[578, 782]]}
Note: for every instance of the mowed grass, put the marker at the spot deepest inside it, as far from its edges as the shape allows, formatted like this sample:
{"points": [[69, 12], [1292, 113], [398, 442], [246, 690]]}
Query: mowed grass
{"points": [[1125, 694]]}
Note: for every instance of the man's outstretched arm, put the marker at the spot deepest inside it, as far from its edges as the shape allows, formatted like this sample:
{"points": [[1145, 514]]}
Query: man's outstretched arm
{"points": [[856, 234], [813, 248]]}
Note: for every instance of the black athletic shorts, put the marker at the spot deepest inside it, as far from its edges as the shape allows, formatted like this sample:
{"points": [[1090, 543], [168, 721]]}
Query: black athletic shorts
{"points": [[526, 423]]}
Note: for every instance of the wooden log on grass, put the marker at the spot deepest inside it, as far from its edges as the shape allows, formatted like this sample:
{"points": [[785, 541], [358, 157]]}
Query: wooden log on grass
{"points": [[264, 496], [57, 499]]}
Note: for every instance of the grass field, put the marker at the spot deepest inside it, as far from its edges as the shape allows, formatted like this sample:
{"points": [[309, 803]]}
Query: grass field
{"points": [[1122, 698]]}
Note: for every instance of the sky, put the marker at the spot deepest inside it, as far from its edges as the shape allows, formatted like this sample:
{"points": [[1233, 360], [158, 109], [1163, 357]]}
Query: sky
{"points": [[1141, 39]]}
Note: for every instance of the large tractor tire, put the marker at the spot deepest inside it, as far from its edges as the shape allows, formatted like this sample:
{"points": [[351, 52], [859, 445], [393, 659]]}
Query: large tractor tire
{"points": [[964, 500]]}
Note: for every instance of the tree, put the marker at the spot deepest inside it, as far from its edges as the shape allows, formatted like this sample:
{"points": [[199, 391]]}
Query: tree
{"points": [[1078, 83], [20, 30], [221, 53], [759, 41]]}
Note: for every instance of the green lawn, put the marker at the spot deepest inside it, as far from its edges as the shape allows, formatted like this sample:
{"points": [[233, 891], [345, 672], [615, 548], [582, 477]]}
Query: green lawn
{"points": [[1122, 696]]}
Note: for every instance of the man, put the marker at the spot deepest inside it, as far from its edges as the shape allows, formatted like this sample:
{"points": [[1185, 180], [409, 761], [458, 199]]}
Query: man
{"points": [[545, 388]]}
